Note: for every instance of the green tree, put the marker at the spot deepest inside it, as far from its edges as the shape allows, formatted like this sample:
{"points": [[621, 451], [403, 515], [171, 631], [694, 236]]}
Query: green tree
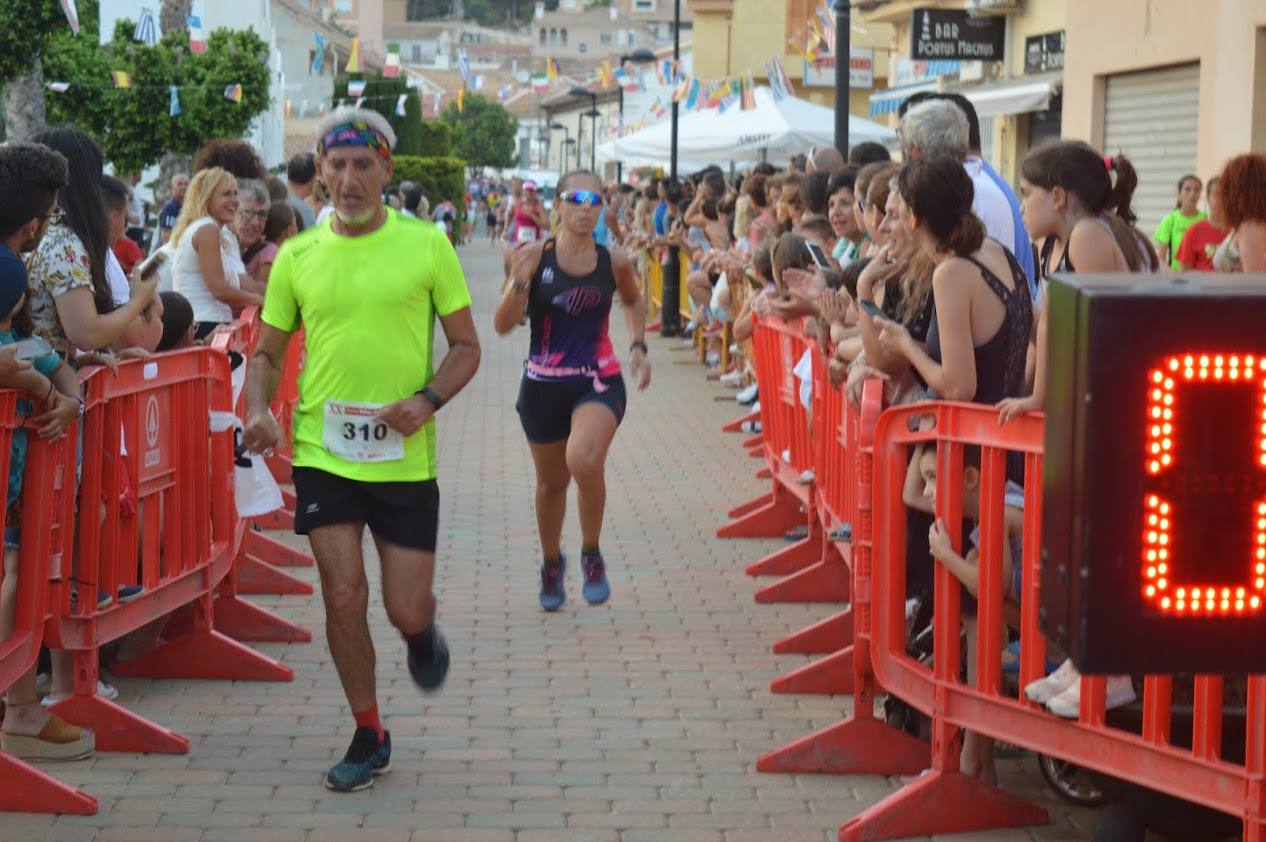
{"points": [[27, 29], [381, 95], [133, 125], [437, 138], [483, 132]]}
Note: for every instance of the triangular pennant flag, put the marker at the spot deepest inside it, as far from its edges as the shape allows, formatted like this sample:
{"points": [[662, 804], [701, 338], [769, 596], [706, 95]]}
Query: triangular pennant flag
{"points": [[463, 65], [288, 109], [233, 93], [605, 75], [391, 69], [551, 69], [173, 105], [353, 60], [461, 94], [692, 98], [318, 55], [122, 79], [72, 15], [360, 100], [479, 83], [749, 94], [355, 87], [540, 83], [400, 100], [57, 87]]}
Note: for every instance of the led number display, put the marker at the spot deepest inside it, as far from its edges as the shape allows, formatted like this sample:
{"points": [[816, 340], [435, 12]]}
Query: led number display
{"points": [[1154, 524]]}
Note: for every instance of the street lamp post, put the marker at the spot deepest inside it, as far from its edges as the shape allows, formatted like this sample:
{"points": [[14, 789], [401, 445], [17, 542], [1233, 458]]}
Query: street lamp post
{"points": [[843, 35], [593, 129], [670, 314], [562, 149], [580, 135], [642, 56]]}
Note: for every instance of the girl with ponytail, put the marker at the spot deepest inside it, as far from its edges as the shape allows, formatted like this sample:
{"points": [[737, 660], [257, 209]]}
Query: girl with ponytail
{"points": [[982, 319], [1077, 203]]}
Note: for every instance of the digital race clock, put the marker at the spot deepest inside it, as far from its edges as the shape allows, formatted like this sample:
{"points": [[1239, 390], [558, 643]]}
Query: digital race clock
{"points": [[1154, 531]]}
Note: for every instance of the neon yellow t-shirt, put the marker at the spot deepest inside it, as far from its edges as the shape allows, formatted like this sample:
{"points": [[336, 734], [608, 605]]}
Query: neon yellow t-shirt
{"points": [[368, 306]]}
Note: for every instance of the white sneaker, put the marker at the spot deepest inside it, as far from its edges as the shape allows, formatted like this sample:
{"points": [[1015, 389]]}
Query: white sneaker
{"points": [[1068, 704], [712, 359], [734, 348], [756, 406], [747, 395], [106, 691], [786, 456], [1045, 689], [750, 426], [807, 477], [732, 377]]}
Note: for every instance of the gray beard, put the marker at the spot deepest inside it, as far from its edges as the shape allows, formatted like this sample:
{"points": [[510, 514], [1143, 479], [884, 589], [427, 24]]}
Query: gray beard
{"points": [[355, 221]]}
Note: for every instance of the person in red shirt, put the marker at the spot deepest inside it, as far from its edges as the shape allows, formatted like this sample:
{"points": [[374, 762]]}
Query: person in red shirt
{"points": [[1199, 241]]}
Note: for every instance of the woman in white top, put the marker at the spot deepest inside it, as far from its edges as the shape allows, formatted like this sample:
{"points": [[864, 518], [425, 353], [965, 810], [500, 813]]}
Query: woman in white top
{"points": [[208, 268]]}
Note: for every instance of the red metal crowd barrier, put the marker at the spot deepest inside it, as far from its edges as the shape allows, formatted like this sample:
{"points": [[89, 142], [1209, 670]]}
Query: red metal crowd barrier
{"points": [[27, 788], [150, 503], [283, 407], [1210, 761]]}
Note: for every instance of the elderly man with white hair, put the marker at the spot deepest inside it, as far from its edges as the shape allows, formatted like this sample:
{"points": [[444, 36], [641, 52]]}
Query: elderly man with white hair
{"points": [[939, 127], [367, 289]]}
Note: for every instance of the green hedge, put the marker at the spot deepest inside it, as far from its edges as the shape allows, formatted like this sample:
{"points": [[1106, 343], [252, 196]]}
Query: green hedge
{"points": [[439, 177], [436, 139]]}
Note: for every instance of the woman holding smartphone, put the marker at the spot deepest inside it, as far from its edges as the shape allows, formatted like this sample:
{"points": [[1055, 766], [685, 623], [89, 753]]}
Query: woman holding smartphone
{"points": [[572, 395]]}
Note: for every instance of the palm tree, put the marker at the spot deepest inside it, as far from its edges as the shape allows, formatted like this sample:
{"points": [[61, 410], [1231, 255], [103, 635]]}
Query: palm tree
{"points": [[24, 104], [173, 16]]}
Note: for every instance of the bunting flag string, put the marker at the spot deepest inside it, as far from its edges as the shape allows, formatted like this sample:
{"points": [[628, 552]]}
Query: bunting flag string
{"points": [[146, 28], [173, 107], [353, 59], [551, 69], [400, 101], [391, 69], [318, 55], [72, 15]]}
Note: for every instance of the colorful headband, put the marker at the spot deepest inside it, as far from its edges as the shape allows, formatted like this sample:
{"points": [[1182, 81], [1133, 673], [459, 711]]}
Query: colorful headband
{"points": [[355, 133]]}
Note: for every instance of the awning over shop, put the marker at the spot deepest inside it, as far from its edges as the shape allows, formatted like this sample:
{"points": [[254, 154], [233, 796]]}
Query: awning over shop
{"points": [[888, 101], [1017, 96]]}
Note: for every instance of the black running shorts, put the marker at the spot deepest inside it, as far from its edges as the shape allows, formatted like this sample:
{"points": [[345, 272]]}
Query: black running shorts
{"points": [[545, 407], [402, 513]]}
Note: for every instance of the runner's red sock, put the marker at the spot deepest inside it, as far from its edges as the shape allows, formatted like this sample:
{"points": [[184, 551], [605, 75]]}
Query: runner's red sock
{"points": [[369, 718]]}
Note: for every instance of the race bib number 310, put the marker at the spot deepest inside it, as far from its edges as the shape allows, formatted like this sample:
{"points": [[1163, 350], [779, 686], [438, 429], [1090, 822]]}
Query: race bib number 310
{"points": [[351, 433]]}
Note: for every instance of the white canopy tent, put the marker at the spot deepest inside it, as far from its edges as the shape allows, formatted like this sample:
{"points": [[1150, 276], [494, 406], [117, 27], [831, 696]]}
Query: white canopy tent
{"points": [[773, 131]]}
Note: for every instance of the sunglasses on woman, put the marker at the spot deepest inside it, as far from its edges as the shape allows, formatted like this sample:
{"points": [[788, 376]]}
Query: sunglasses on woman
{"points": [[583, 197]]}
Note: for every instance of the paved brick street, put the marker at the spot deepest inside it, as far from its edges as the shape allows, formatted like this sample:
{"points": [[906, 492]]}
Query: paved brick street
{"points": [[636, 721]]}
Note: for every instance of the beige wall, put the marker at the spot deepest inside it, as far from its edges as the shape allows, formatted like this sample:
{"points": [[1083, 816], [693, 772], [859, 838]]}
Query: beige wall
{"points": [[1227, 37], [711, 42]]}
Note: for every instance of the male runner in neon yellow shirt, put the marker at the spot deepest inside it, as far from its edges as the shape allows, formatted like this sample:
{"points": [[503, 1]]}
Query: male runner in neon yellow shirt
{"points": [[367, 287]]}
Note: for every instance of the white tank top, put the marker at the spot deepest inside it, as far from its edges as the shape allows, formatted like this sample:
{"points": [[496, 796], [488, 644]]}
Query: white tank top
{"points": [[186, 275]]}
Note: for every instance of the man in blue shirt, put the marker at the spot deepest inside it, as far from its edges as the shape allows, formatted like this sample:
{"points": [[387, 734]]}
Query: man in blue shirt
{"points": [[171, 208], [1023, 245]]}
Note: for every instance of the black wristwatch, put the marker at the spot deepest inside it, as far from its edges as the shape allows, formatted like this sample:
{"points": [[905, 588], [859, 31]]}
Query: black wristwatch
{"points": [[638, 344], [434, 399]]}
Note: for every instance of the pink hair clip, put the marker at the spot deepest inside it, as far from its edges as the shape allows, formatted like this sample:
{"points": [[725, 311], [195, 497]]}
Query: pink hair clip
{"points": [[1107, 161]]}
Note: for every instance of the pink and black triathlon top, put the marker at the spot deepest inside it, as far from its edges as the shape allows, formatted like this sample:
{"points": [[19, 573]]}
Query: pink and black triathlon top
{"points": [[570, 320]]}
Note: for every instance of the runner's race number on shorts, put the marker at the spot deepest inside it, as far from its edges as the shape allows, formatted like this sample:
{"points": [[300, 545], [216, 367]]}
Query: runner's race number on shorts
{"points": [[351, 433]]}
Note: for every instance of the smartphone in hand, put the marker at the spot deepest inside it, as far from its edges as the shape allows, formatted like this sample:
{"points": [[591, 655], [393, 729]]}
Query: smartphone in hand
{"points": [[150, 264], [819, 256], [32, 348]]}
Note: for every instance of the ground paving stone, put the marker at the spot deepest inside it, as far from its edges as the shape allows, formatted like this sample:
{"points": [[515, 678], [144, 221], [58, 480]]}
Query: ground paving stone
{"points": [[635, 721]]}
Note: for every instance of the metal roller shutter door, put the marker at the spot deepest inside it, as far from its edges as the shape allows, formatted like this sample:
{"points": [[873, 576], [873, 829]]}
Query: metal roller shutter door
{"points": [[1151, 118]]}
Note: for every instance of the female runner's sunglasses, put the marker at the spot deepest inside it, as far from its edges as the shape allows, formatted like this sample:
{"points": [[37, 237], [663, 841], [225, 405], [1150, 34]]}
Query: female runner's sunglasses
{"points": [[583, 197]]}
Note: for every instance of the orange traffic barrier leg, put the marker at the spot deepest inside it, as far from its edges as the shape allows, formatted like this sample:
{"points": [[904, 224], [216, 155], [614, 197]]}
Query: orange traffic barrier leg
{"points": [[205, 654], [829, 676], [826, 581], [755, 441], [941, 802], [653, 327], [271, 551], [757, 452], [256, 577], [202, 652], [852, 747], [249, 623], [821, 638], [765, 473], [258, 567], [117, 728], [283, 518], [790, 559], [769, 521], [736, 425], [30, 790], [751, 505]]}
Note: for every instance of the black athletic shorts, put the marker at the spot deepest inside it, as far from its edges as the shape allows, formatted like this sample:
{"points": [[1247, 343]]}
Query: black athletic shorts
{"points": [[402, 513], [545, 407]]}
